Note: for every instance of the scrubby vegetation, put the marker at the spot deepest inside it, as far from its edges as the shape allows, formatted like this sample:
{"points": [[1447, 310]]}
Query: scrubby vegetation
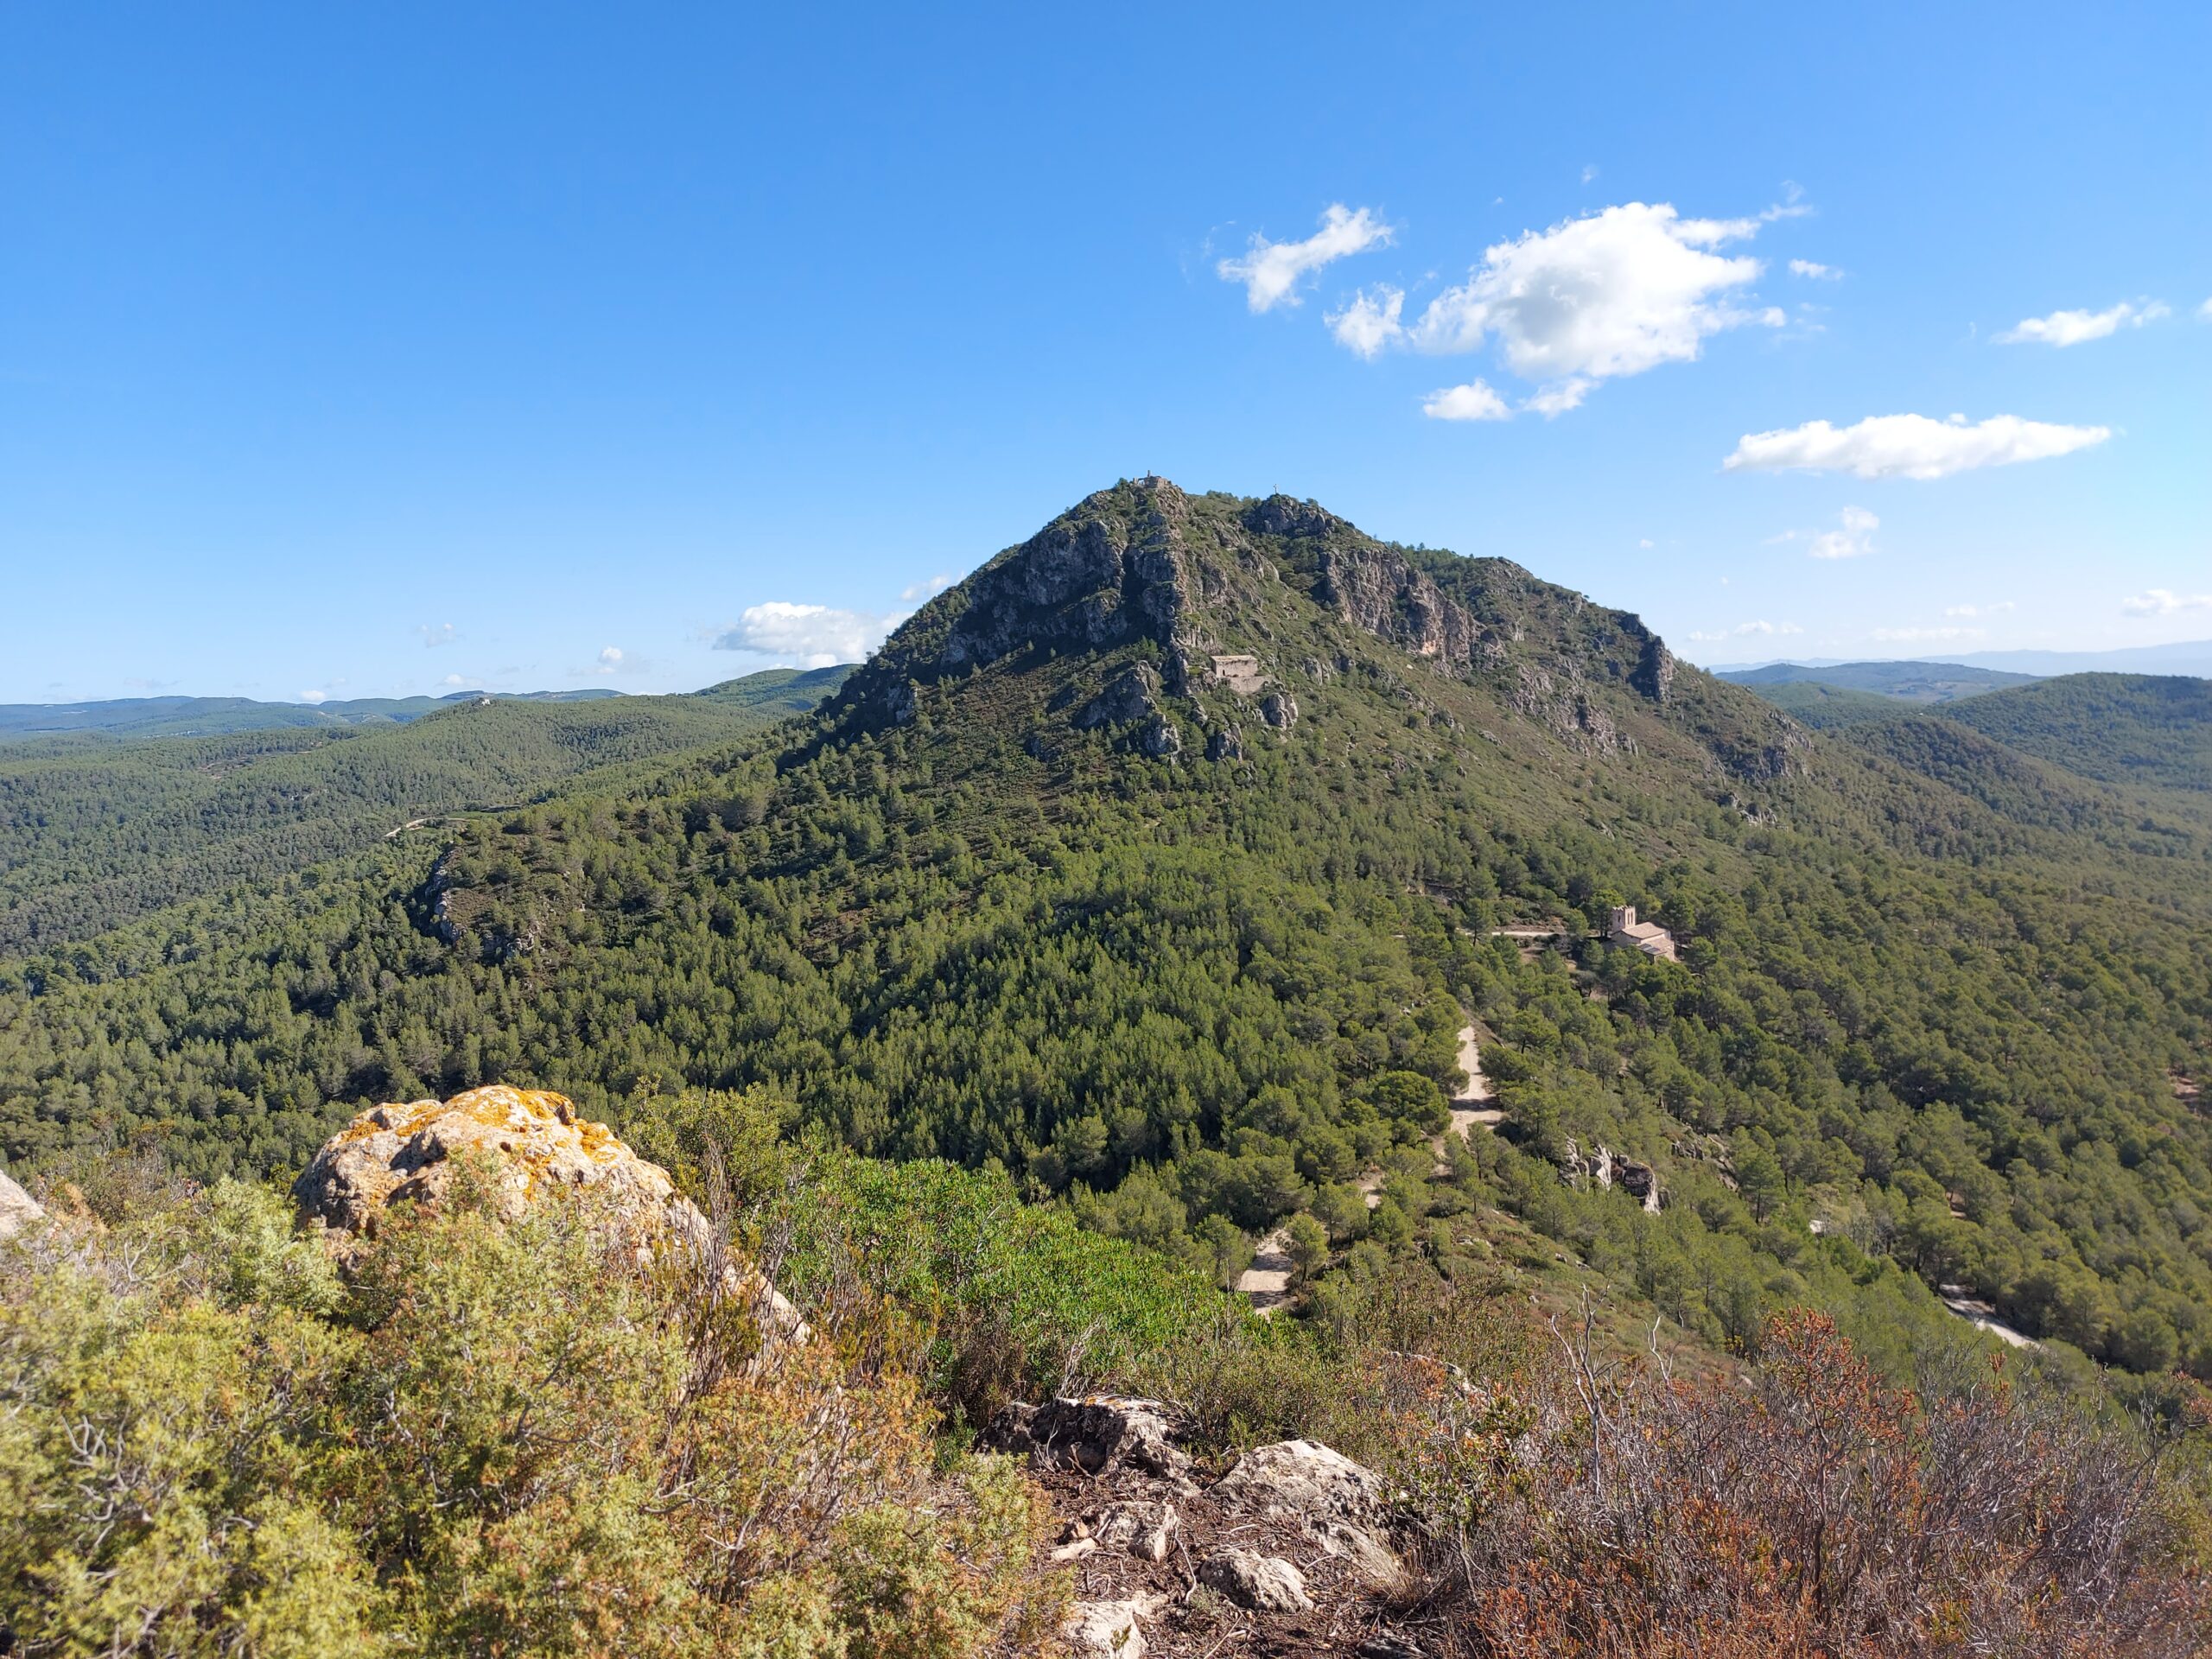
{"points": [[494, 1438], [500, 1437]]}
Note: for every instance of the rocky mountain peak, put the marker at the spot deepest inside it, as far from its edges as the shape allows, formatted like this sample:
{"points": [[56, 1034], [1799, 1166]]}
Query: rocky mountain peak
{"points": [[1142, 597]]}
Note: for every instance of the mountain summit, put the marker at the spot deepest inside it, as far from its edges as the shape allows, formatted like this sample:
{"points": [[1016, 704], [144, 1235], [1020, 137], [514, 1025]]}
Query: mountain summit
{"points": [[1228, 607]]}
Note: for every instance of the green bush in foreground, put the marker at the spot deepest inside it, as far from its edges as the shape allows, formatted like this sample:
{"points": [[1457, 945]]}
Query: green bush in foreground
{"points": [[493, 1440]]}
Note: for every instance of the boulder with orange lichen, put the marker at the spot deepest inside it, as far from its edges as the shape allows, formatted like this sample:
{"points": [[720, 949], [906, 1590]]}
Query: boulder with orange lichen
{"points": [[527, 1144]]}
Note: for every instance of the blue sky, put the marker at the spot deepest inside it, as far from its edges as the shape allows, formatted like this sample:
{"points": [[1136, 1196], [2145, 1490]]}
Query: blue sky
{"points": [[352, 350]]}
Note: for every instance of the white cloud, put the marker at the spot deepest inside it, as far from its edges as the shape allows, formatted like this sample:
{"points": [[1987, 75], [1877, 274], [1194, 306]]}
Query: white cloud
{"points": [[314, 696], [1910, 636], [2073, 327], [1589, 172], [610, 659], [1644, 542], [1814, 269], [813, 636], [1909, 446], [1997, 609], [1616, 293], [1556, 400], [1271, 270], [1473, 402], [2163, 601], [1367, 324], [2205, 310], [453, 680], [1855, 540], [436, 633], [915, 592], [1744, 630]]}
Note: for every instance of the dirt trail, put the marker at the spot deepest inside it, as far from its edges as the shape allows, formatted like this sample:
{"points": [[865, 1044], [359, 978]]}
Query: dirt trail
{"points": [[1267, 1281], [1468, 1106]]}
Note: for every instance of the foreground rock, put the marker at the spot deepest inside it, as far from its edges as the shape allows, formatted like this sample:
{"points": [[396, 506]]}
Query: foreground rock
{"points": [[1094, 1435], [1339, 1504], [17, 1208], [528, 1143], [1109, 1629], [1290, 1552], [1266, 1584]]}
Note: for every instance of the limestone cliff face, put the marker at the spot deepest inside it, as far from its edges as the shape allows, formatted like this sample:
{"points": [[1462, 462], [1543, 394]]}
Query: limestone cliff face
{"points": [[1377, 589]]}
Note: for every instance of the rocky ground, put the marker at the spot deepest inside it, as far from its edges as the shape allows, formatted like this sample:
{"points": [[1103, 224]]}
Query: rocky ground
{"points": [[1290, 1551]]}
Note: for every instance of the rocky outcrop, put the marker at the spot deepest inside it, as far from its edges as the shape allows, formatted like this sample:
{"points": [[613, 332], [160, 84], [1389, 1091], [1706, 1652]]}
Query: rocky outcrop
{"points": [[1283, 515], [530, 1140], [527, 1144], [1161, 738], [1339, 1504], [1279, 710], [1094, 1435], [1132, 694], [1655, 670], [17, 1208], [1116, 567], [1295, 1534]]}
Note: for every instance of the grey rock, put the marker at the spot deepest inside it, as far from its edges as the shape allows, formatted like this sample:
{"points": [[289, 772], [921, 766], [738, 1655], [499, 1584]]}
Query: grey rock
{"points": [[1227, 744], [1279, 710], [1094, 1433], [1340, 1503], [1303, 1479], [17, 1208], [1266, 1584], [1162, 738], [1130, 694], [1283, 515], [1109, 1630]]}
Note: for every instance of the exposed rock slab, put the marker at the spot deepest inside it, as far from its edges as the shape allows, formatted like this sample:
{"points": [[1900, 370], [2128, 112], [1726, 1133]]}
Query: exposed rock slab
{"points": [[1340, 1503], [1265, 1584], [17, 1208], [1094, 1435], [1109, 1630]]}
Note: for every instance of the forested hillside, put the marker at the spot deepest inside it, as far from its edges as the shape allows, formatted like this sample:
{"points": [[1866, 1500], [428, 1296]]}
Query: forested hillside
{"points": [[2152, 730], [94, 834], [1159, 863]]}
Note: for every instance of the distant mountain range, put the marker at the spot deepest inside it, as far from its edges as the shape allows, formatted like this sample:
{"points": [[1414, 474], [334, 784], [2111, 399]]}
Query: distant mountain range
{"points": [[777, 689], [211, 716], [1913, 682], [2191, 657]]}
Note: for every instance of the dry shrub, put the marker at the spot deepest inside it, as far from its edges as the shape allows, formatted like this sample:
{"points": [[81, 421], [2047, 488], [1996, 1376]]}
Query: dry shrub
{"points": [[1809, 1508]]}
